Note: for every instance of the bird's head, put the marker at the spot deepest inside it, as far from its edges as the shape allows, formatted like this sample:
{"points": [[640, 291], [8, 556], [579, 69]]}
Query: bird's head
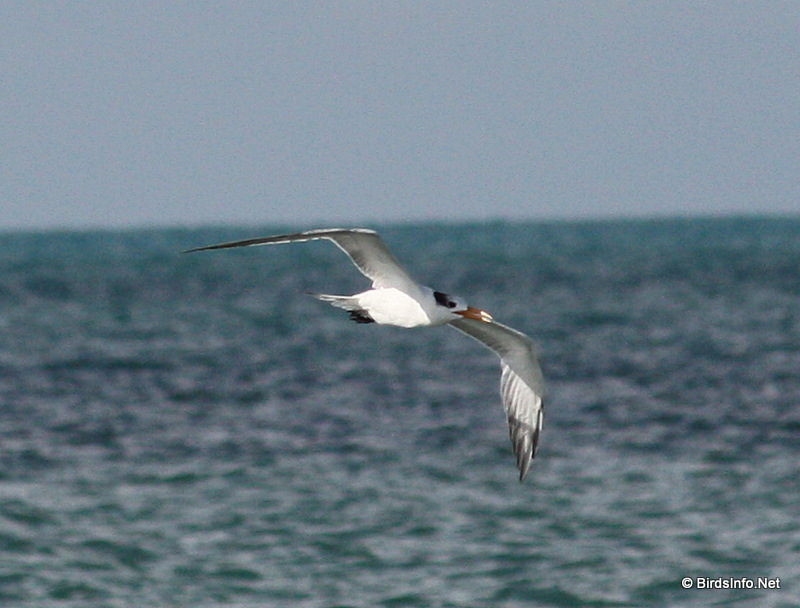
{"points": [[458, 306]]}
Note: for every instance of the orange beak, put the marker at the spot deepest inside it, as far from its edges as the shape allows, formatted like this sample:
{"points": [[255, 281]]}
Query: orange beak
{"points": [[475, 313]]}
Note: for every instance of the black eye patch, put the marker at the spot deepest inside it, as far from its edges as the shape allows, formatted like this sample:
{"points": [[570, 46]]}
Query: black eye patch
{"points": [[442, 299]]}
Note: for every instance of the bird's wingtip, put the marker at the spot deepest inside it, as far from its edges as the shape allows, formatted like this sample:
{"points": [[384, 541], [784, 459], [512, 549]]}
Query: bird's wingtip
{"points": [[209, 247], [524, 469]]}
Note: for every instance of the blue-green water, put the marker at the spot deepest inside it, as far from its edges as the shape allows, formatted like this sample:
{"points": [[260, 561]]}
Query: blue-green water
{"points": [[192, 430]]}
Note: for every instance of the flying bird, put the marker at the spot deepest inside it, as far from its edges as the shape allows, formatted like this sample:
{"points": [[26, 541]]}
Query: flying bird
{"points": [[397, 299]]}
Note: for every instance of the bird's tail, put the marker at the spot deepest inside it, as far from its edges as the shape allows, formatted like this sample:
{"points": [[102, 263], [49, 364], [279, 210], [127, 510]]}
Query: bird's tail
{"points": [[345, 302], [348, 303]]}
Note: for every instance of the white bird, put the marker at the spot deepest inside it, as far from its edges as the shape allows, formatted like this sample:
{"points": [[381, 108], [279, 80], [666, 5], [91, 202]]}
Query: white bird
{"points": [[396, 299]]}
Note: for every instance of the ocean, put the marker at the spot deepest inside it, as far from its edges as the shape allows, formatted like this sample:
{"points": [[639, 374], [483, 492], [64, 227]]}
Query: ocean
{"points": [[194, 430]]}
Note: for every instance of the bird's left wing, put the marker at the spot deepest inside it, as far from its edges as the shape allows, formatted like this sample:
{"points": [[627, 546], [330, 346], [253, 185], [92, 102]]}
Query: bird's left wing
{"points": [[364, 247], [521, 384]]}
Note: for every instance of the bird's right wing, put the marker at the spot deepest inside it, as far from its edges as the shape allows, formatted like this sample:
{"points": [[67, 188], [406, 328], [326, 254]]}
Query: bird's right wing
{"points": [[364, 247], [521, 384]]}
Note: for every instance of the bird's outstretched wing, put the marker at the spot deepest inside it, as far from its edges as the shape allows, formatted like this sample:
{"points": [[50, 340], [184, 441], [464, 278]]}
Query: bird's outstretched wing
{"points": [[364, 247], [521, 384]]}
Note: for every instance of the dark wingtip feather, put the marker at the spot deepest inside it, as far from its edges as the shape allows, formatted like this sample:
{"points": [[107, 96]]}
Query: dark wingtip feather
{"points": [[525, 440], [223, 246]]}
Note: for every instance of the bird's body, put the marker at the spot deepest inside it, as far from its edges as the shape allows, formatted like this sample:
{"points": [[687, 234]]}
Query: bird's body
{"points": [[396, 299], [389, 306]]}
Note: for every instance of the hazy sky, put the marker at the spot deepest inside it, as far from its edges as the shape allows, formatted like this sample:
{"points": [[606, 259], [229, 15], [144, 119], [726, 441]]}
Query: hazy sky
{"points": [[187, 113]]}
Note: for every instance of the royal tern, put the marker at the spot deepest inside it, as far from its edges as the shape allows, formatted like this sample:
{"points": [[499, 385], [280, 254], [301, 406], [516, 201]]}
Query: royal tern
{"points": [[396, 299]]}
